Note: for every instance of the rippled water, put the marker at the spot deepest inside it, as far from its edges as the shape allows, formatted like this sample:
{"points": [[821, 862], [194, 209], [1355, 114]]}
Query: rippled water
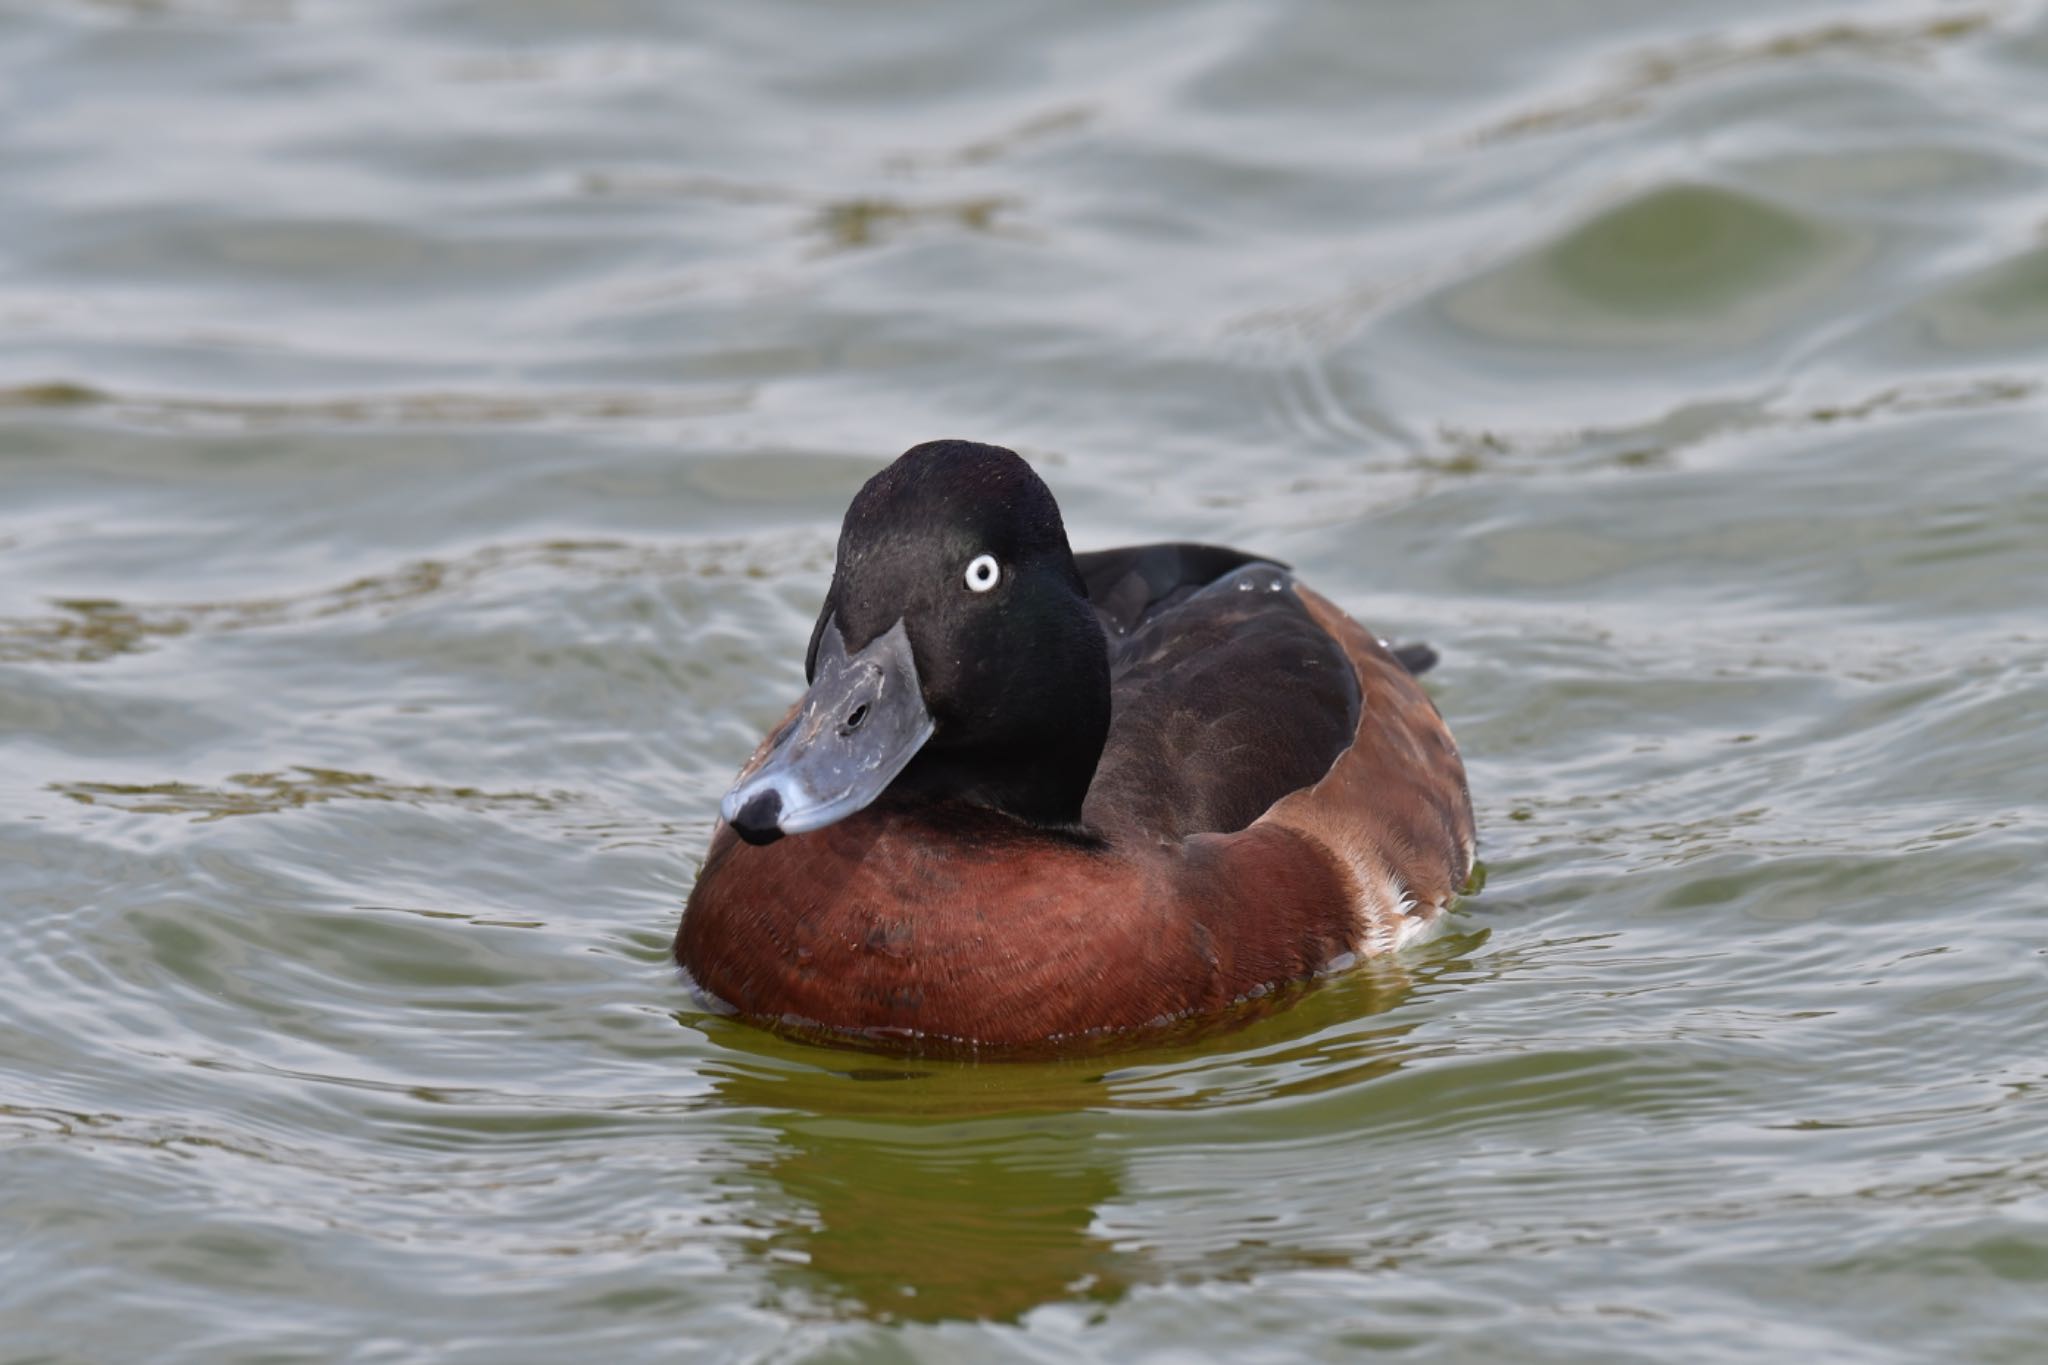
{"points": [[423, 427]]}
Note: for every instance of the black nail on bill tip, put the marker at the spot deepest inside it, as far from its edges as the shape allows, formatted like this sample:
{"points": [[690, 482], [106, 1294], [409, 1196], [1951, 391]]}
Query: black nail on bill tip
{"points": [[757, 821]]}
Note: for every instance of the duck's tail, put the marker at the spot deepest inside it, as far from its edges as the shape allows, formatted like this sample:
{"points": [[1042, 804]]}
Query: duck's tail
{"points": [[1417, 658]]}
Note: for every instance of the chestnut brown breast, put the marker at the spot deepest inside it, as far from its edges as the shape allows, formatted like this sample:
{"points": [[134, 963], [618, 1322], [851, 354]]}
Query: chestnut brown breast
{"points": [[942, 925]]}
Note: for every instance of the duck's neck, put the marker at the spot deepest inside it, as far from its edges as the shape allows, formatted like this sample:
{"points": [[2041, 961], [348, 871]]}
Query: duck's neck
{"points": [[1043, 785], [1032, 754]]}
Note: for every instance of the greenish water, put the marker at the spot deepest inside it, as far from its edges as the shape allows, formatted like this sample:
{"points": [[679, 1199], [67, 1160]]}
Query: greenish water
{"points": [[423, 427]]}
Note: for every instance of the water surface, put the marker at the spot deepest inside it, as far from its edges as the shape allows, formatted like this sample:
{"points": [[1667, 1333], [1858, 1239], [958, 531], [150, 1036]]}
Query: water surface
{"points": [[423, 428]]}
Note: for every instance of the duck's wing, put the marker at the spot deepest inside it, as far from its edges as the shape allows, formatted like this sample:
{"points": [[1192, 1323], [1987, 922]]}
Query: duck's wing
{"points": [[1130, 584], [1222, 702], [1393, 811]]}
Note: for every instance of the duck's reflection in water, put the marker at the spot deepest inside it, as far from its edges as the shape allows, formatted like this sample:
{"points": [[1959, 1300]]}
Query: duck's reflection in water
{"points": [[953, 1221], [927, 1189]]}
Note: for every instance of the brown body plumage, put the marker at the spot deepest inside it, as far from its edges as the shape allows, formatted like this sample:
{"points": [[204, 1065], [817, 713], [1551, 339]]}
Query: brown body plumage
{"points": [[1275, 795]]}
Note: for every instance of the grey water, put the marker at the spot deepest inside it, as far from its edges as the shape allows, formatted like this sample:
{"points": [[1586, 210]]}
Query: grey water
{"points": [[423, 429]]}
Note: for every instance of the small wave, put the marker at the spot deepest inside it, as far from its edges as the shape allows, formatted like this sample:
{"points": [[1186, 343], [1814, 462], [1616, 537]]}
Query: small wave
{"points": [[292, 789], [538, 407], [1654, 72], [850, 224], [90, 630]]}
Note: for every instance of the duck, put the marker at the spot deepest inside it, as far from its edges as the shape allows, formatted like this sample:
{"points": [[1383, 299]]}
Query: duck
{"points": [[1033, 797]]}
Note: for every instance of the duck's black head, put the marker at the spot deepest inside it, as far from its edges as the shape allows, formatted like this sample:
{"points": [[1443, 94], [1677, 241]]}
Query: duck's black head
{"points": [[956, 655]]}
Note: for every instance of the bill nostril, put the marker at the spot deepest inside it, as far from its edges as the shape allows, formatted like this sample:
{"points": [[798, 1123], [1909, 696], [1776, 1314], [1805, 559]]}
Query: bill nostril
{"points": [[856, 716], [759, 821]]}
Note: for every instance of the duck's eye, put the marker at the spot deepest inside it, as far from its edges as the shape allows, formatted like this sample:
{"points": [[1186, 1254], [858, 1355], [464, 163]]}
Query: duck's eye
{"points": [[983, 573]]}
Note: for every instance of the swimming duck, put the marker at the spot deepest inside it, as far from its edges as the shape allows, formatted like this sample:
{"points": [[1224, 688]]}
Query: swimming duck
{"points": [[1032, 795]]}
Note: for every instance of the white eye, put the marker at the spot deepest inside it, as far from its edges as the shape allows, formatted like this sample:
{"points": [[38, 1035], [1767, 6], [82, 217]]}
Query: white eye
{"points": [[983, 573]]}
